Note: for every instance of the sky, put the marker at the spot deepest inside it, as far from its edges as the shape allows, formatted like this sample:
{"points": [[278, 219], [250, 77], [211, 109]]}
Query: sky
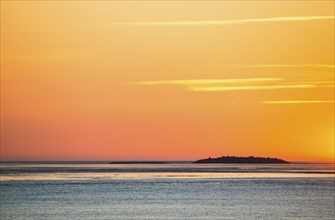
{"points": [[167, 80]]}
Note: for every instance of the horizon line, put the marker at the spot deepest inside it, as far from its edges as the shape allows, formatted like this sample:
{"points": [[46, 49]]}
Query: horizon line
{"points": [[186, 160]]}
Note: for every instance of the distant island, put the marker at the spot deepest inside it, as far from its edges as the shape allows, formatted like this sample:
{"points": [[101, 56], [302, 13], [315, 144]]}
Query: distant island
{"points": [[233, 159], [137, 162]]}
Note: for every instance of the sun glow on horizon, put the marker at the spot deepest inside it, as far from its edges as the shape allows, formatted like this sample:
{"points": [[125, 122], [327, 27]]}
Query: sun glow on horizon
{"points": [[87, 80]]}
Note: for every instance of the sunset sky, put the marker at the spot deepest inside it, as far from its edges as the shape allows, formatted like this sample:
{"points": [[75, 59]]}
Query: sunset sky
{"points": [[131, 80]]}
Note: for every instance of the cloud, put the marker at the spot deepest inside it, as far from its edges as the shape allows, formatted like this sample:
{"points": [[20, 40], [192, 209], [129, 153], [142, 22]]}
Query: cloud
{"points": [[326, 83], [239, 88], [240, 84], [221, 22], [298, 102], [188, 23], [286, 65], [207, 81]]}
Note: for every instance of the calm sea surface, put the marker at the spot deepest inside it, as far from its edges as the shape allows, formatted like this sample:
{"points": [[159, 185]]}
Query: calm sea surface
{"points": [[97, 190]]}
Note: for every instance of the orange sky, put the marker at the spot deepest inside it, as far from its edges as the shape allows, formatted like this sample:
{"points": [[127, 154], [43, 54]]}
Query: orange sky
{"points": [[167, 80]]}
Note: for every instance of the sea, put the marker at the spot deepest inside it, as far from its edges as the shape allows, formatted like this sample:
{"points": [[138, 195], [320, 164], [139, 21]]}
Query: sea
{"points": [[175, 190]]}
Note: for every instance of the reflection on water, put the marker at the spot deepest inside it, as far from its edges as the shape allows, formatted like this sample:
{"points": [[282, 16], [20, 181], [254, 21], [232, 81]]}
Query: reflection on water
{"points": [[147, 175], [85, 171]]}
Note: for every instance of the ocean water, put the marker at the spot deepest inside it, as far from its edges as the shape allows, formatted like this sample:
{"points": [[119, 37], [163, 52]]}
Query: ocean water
{"points": [[96, 190]]}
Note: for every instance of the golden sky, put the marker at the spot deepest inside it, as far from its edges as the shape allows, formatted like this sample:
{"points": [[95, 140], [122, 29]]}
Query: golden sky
{"points": [[123, 80]]}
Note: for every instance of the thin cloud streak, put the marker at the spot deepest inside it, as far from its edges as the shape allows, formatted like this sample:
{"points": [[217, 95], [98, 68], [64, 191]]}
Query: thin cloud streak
{"points": [[221, 22], [286, 65], [238, 84], [240, 88], [207, 81], [330, 83], [298, 102]]}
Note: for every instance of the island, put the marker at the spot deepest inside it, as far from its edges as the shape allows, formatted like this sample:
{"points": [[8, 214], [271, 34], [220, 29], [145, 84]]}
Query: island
{"points": [[234, 159], [137, 162]]}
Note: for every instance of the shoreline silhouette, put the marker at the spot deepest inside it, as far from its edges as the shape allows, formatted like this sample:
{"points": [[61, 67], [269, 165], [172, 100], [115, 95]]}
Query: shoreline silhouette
{"points": [[234, 159], [223, 159], [137, 162]]}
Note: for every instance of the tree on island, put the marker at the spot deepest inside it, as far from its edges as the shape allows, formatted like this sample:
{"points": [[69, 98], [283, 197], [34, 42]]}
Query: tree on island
{"points": [[234, 159]]}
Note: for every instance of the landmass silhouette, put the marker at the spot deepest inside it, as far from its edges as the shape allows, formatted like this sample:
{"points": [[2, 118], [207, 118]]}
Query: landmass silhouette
{"points": [[234, 159], [137, 162], [223, 159]]}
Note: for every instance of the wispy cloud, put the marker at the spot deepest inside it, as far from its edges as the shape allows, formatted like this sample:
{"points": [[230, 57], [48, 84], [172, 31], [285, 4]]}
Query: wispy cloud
{"points": [[207, 81], [240, 84], [186, 23], [298, 102], [332, 66], [239, 88], [221, 22]]}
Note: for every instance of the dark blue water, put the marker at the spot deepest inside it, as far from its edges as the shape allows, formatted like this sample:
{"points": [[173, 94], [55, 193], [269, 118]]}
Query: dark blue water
{"points": [[83, 191]]}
